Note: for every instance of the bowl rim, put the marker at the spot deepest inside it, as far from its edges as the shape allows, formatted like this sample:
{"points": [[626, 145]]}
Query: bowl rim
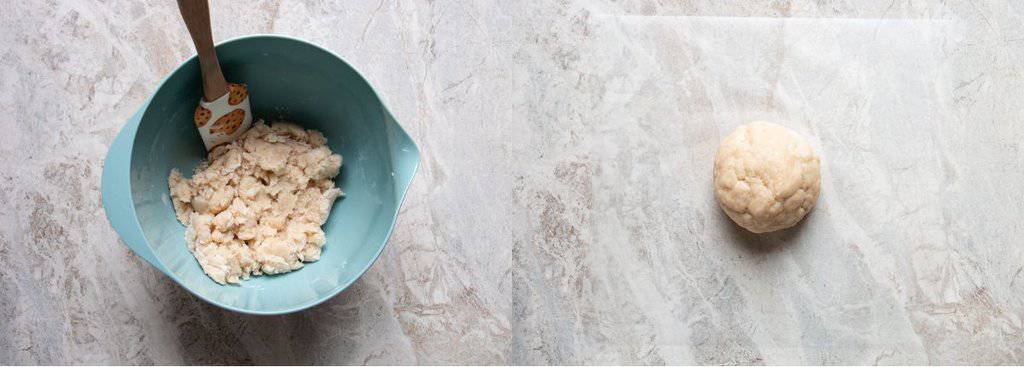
{"points": [[394, 218]]}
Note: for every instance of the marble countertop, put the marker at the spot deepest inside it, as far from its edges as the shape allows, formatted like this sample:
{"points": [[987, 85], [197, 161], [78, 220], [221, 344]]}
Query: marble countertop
{"points": [[563, 211]]}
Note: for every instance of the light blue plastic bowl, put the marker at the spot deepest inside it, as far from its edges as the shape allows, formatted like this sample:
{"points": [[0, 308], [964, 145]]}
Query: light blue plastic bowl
{"points": [[292, 80]]}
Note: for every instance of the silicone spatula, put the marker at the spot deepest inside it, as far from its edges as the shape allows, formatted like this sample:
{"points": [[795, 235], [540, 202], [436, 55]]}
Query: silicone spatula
{"points": [[223, 112]]}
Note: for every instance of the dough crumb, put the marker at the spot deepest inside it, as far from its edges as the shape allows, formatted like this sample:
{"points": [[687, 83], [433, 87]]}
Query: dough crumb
{"points": [[256, 206]]}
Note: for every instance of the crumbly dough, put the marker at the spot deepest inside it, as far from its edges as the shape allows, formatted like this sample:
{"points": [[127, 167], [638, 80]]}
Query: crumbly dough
{"points": [[257, 205], [767, 177]]}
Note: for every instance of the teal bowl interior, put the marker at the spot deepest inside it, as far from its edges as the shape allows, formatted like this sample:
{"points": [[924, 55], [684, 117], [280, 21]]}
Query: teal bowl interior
{"points": [[295, 81]]}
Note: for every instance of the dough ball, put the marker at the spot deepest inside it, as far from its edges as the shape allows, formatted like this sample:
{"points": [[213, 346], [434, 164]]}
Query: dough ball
{"points": [[767, 177]]}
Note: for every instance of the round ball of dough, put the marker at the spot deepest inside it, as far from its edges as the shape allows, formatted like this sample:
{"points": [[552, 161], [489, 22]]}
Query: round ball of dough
{"points": [[767, 177]]}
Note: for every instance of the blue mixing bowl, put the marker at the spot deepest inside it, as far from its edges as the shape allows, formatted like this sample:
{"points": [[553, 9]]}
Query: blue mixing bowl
{"points": [[291, 80]]}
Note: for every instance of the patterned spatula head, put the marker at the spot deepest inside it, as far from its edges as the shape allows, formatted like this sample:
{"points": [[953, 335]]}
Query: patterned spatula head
{"points": [[226, 118]]}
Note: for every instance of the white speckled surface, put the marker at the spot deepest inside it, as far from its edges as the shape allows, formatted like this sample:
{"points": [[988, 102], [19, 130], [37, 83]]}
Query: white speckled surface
{"points": [[563, 212]]}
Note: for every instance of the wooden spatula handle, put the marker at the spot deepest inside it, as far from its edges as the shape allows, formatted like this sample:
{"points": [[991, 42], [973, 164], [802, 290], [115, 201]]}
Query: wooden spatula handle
{"points": [[197, 19]]}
